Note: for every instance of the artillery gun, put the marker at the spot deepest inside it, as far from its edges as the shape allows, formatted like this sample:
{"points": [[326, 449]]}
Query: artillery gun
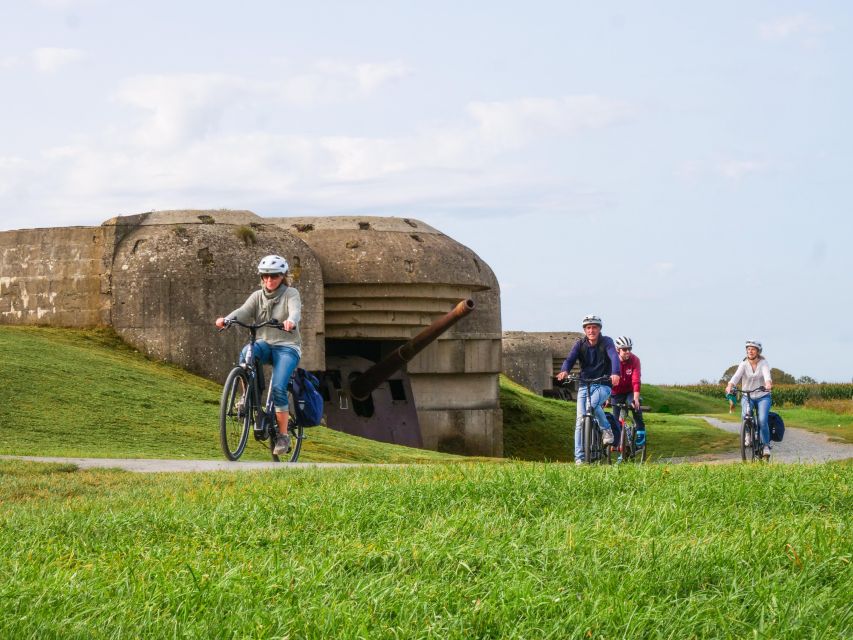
{"points": [[375, 399]]}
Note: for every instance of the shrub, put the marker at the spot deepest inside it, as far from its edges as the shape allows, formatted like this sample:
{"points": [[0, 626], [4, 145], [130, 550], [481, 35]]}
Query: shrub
{"points": [[246, 234]]}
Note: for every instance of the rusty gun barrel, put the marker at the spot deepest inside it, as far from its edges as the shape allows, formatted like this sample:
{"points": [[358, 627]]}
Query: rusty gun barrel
{"points": [[385, 368]]}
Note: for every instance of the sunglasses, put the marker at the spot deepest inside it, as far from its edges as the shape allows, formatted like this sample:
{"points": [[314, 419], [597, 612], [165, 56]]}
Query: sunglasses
{"points": [[264, 276]]}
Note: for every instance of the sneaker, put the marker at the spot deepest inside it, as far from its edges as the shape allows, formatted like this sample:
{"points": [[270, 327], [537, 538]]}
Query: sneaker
{"points": [[578, 461], [282, 444], [747, 441], [607, 436], [765, 453]]}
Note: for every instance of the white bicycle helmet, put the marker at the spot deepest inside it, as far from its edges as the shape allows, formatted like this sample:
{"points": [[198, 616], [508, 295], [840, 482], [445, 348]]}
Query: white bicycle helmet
{"points": [[272, 264], [591, 320], [624, 342], [754, 343]]}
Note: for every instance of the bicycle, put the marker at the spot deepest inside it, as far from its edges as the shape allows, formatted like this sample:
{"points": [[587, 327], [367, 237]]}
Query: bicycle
{"points": [[594, 450], [749, 427], [629, 450], [241, 409]]}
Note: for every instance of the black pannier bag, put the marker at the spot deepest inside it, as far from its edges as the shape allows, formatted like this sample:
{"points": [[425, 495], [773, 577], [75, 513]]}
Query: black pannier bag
{"points": [[777, 427], [309, 402]]}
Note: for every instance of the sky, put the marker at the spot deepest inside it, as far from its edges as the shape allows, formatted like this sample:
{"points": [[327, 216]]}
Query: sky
{"points": [[683, 170]]}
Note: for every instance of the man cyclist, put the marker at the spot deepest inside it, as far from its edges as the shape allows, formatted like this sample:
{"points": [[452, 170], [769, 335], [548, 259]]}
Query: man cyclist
{"points": [[598, 358], [282, 349], [629, 385]]}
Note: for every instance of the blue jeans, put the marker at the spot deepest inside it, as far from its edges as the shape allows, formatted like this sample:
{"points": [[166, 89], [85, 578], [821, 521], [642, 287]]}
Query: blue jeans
{"points": [[283, 360], [600, 393], [761, 407]]}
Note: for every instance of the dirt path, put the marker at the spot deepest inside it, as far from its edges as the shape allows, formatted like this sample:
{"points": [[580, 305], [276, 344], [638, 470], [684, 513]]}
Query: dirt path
{"points": [[799, 445]]}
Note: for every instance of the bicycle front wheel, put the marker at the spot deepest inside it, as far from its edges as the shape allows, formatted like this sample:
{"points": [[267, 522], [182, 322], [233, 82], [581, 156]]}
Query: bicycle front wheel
{"points": [[235, 414], [747, 450], [586, 432]]}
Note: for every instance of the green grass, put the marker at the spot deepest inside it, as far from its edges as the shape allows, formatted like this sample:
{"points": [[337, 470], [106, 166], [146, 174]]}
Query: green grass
{"points": [[519, 550], [85, 393], [537, 428], [663, 399], [837, 426]]}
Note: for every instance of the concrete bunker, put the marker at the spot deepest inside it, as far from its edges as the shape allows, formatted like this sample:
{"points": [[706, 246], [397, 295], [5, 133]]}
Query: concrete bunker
{"points": [[368, 285], [534, 358]]}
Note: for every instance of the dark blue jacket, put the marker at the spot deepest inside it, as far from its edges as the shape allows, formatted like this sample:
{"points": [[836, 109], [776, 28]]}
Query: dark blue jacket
{"points": [[600, 360]]}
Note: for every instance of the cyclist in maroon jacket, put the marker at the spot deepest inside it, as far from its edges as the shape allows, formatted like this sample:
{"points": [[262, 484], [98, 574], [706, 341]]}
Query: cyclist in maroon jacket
{"points": [[627, 390]]}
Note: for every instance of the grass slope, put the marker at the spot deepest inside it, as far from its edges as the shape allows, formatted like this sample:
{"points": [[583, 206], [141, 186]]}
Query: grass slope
{"points": [[85, 393], [518, 550], [537, 428]]}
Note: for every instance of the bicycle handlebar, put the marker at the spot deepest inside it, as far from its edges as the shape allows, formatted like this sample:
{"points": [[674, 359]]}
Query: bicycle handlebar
{"points": [[574, 376], [252, 327], [739, 390]]}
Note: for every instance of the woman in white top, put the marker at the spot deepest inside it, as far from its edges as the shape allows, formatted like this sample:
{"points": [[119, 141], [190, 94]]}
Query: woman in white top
{"points": [[755, 372]]}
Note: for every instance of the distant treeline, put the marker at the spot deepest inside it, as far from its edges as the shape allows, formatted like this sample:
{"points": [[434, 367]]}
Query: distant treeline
{"points": [[784, 393]]}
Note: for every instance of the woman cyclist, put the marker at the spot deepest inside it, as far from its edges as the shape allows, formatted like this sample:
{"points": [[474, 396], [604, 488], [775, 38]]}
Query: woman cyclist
{"points": [[755, 373], [282, 349]]}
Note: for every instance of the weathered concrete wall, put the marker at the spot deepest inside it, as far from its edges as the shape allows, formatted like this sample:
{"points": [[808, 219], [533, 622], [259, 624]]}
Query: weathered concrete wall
{"points": [[53, 277], [388, 278], [533, 358], [175, 272]]}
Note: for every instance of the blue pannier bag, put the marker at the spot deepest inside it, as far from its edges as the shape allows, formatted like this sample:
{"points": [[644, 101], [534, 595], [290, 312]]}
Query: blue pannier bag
{"points": [[309, 402], [777, 427]]}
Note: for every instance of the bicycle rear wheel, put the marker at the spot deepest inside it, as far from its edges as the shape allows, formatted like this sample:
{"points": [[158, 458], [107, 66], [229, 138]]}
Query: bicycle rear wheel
{"points": [[636, 454], [236, 409], [295, 431]]}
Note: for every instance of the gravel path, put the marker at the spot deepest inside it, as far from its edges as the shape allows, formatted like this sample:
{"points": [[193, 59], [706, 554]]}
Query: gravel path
{"points": [[146, 465], [799, 445]]}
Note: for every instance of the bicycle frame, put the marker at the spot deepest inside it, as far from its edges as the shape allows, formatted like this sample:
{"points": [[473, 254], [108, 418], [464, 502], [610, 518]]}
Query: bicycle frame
{"points": [[750, 426], [594, 449], [260, 416], [628, 448]]}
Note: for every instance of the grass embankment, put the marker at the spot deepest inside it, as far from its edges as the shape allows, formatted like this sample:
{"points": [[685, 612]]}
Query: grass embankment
{"points": [[439, 551], [537, 428], [85, 393]]}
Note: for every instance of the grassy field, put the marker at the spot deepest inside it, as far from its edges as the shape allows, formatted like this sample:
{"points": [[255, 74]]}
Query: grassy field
{"points": [[519, 550], [85, 393]]}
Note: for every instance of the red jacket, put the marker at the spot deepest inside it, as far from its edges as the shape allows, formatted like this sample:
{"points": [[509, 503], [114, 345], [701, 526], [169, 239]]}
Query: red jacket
{"points": [[629, 375]]}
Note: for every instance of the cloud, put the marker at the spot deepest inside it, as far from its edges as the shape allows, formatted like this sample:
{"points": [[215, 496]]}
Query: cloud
{"points": [[513, 123], [206, 140], [51, 59], [738, 169], [802, 27], [330, 82], [65, 4], [182, 107]]}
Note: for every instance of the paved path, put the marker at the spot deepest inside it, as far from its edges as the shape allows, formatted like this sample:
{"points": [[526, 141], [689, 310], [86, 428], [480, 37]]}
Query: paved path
{"points": [[799, 445], [146, 465]]}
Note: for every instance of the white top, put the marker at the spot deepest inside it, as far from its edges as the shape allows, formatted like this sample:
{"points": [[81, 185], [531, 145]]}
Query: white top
{"points": [[752, 379]]}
